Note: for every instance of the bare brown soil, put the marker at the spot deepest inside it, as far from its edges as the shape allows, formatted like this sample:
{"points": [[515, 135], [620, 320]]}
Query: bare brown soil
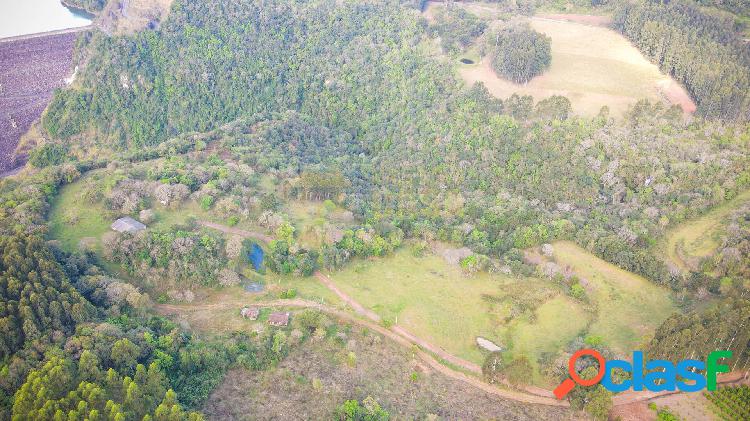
{"points": [[316, 378], [676, 94], [638, 411], [31, 68]]}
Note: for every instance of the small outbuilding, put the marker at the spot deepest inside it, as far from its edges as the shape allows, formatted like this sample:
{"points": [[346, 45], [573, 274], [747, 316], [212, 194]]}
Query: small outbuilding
{"points": [[278, 319], [128, 224], [488, 345], [251, 313]]}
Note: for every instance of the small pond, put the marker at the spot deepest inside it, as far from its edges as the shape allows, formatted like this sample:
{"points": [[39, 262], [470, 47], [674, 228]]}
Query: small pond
{"points": [[256, 257]]}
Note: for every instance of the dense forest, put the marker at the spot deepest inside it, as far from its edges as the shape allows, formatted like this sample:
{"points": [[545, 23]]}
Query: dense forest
{"points": [[520, 53], [416, 149], [358, 113], [701, 50], [457, 28]]}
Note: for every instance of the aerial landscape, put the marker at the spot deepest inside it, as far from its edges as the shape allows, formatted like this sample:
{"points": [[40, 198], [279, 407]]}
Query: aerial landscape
{"points": [[375, 210]]}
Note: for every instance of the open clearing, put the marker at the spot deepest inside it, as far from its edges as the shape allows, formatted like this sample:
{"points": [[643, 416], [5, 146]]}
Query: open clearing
{"points": [[629, 306], [592, 66], [427, 297], [698, 238], [440, 304]]}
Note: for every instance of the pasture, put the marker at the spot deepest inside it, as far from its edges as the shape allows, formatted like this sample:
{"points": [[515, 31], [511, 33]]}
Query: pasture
{"points": [[440, 304], [591, 65], [629, 307], [689, 242]]}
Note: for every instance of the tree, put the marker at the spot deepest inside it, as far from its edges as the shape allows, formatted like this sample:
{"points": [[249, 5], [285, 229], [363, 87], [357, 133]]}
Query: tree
{"points": [[520, 53], [124, 354], [457, 28]]}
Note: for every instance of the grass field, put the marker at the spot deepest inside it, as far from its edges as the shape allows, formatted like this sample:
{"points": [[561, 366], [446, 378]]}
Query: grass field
{"points": [[558, 321], [70, 220], [427, 297], [73, 219], [592, 66], [693, 240], [438, 303], [629, 306]]}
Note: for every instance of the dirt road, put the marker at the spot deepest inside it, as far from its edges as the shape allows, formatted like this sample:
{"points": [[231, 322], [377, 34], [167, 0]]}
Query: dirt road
{"points": [[170, 309], [405, 338], [361, 310]]}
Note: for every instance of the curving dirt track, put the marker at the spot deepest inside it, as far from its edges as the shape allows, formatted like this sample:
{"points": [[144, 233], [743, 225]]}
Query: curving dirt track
{"points": [[404, 338], [169, 309]]}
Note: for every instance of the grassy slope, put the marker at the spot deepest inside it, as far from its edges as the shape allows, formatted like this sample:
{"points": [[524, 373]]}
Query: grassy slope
{"points": [[558, 321], [438, 303], [71, 219], [427, 297], [698, 238], [629, 306]]}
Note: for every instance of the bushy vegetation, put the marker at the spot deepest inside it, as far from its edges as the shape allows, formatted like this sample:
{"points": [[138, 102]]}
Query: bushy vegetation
{"points": [[701, 50], [729, 266], [699, 333], [368, 410], [38, 299], [457, 28], [88, 5], [731, 402], [520, 53], [492, 175]]}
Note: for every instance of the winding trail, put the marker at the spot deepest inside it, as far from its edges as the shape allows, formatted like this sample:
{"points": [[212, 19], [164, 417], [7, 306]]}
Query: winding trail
{"points": [[401, 336], [171, 309]]}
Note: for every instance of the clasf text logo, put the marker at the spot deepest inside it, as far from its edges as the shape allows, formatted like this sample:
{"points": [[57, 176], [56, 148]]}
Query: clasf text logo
{"points": [[654, 375]]}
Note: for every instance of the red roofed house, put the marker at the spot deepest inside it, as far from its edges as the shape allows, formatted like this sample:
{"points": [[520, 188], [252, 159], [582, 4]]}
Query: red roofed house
{"points": [[278, 319], [251, 313]]}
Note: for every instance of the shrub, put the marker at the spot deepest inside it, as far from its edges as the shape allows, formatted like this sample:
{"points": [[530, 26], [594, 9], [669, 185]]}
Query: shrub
{"points": [[47, 155]]}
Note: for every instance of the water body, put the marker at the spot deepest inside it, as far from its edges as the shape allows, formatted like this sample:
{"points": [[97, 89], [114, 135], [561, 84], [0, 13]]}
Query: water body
{"points": [[23, 17]]}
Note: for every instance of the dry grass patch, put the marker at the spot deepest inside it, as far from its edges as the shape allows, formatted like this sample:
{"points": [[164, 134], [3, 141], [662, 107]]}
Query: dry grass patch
{"points": [[592, 66], [318, 376]]}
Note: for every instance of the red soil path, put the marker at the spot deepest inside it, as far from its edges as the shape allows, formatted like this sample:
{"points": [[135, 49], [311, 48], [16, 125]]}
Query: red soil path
{"points": [[170, 309], [631, 399]]}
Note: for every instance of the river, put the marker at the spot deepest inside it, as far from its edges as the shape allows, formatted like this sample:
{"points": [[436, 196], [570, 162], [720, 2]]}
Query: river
{"points": [[22, 17]]}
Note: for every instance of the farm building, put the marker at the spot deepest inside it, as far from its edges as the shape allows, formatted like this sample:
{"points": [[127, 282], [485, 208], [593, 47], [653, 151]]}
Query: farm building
{"points": [[251, 313], [278, 319], [128, 224]]}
